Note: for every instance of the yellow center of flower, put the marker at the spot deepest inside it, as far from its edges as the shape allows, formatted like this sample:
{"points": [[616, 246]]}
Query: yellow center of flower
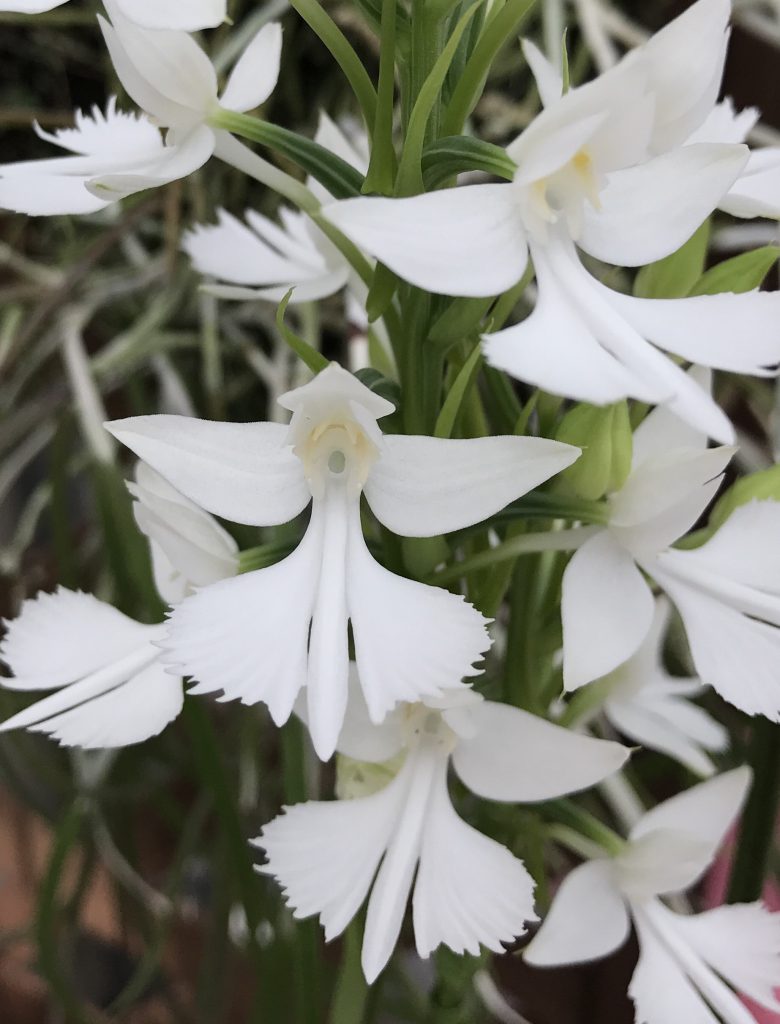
{"points": [[336, 450]]}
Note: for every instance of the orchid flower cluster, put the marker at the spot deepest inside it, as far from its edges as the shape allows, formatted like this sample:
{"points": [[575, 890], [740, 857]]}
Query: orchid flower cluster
{"points": [[481, 521]]}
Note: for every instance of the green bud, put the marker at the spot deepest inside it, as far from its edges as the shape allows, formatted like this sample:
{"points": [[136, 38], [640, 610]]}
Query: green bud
{"points": [[604, 434], [761, 486]]}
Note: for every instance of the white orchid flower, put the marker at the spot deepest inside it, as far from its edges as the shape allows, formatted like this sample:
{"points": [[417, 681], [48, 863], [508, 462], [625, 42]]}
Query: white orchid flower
{"points": [[686, 964], [185, 15], [250, 636], [469, 891], [604, 167], [111, 686], [727, 591], [653, 708], [756, 192], [264, 260], [116, 154]]}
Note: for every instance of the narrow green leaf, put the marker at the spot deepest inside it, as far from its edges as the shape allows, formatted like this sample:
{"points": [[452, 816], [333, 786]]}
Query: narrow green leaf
{"points": [[674, 276], [757, 828], [410, 180], [315, 360], [499, 29], [444, 158], [380, 294], [460, 388], [382, 166], [336, 175], [458, 320], [739, 274], [320, 22], [565, 71]]}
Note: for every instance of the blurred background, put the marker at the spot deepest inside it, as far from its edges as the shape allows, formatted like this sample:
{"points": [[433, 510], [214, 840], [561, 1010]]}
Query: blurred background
{"points": [[127, 891]]}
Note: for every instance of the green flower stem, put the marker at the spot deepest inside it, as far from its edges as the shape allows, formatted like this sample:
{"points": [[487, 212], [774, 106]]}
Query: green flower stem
{"points": [[237, 155], [756, 836], [571, 815], [499, 29], [577, 843], [529, 543], [316, 17], [351, 995]]}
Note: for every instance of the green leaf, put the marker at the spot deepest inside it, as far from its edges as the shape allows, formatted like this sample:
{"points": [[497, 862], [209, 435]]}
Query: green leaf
{"points": [[674, 276], [316, 17], [444, 158], [380, 294], [380, 176], [761, 486], [458, 320], [499, 29], [315, 360], [604, 434], [410, 180], [740, 274], [460, 388], [380, 384], [565, 71], [340, 179]]}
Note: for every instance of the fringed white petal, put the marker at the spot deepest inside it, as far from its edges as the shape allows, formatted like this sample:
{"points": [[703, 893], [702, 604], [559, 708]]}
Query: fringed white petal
{"points": [[61, 637], [253, 78], [734, 653], [248, 636], [516, 756], [325, 854], [245, 472], [588, 919], [411, 640], [470, 890], [660, 987], [130, 713], [425, 486], [741, 943], [606, 610]]}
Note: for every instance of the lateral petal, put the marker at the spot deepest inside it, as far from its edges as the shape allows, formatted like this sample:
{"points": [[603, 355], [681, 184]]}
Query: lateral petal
{"points": [[411, 640], [470, 890], [517, 756], [244, 472], [587, 920], [684, 186], [606, 609], [425, 486], [248, 636], [458, 241], [61, 637], [254, 77], [756, 193]]}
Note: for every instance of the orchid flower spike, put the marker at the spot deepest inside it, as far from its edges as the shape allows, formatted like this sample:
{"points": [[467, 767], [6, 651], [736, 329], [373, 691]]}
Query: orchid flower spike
{"points": [[686, 963], [469, 891], [250, 637], [184, 15], [605, 167], [263, 260], [116, 154], [111, 686], [727, 591], [653, 708]]}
